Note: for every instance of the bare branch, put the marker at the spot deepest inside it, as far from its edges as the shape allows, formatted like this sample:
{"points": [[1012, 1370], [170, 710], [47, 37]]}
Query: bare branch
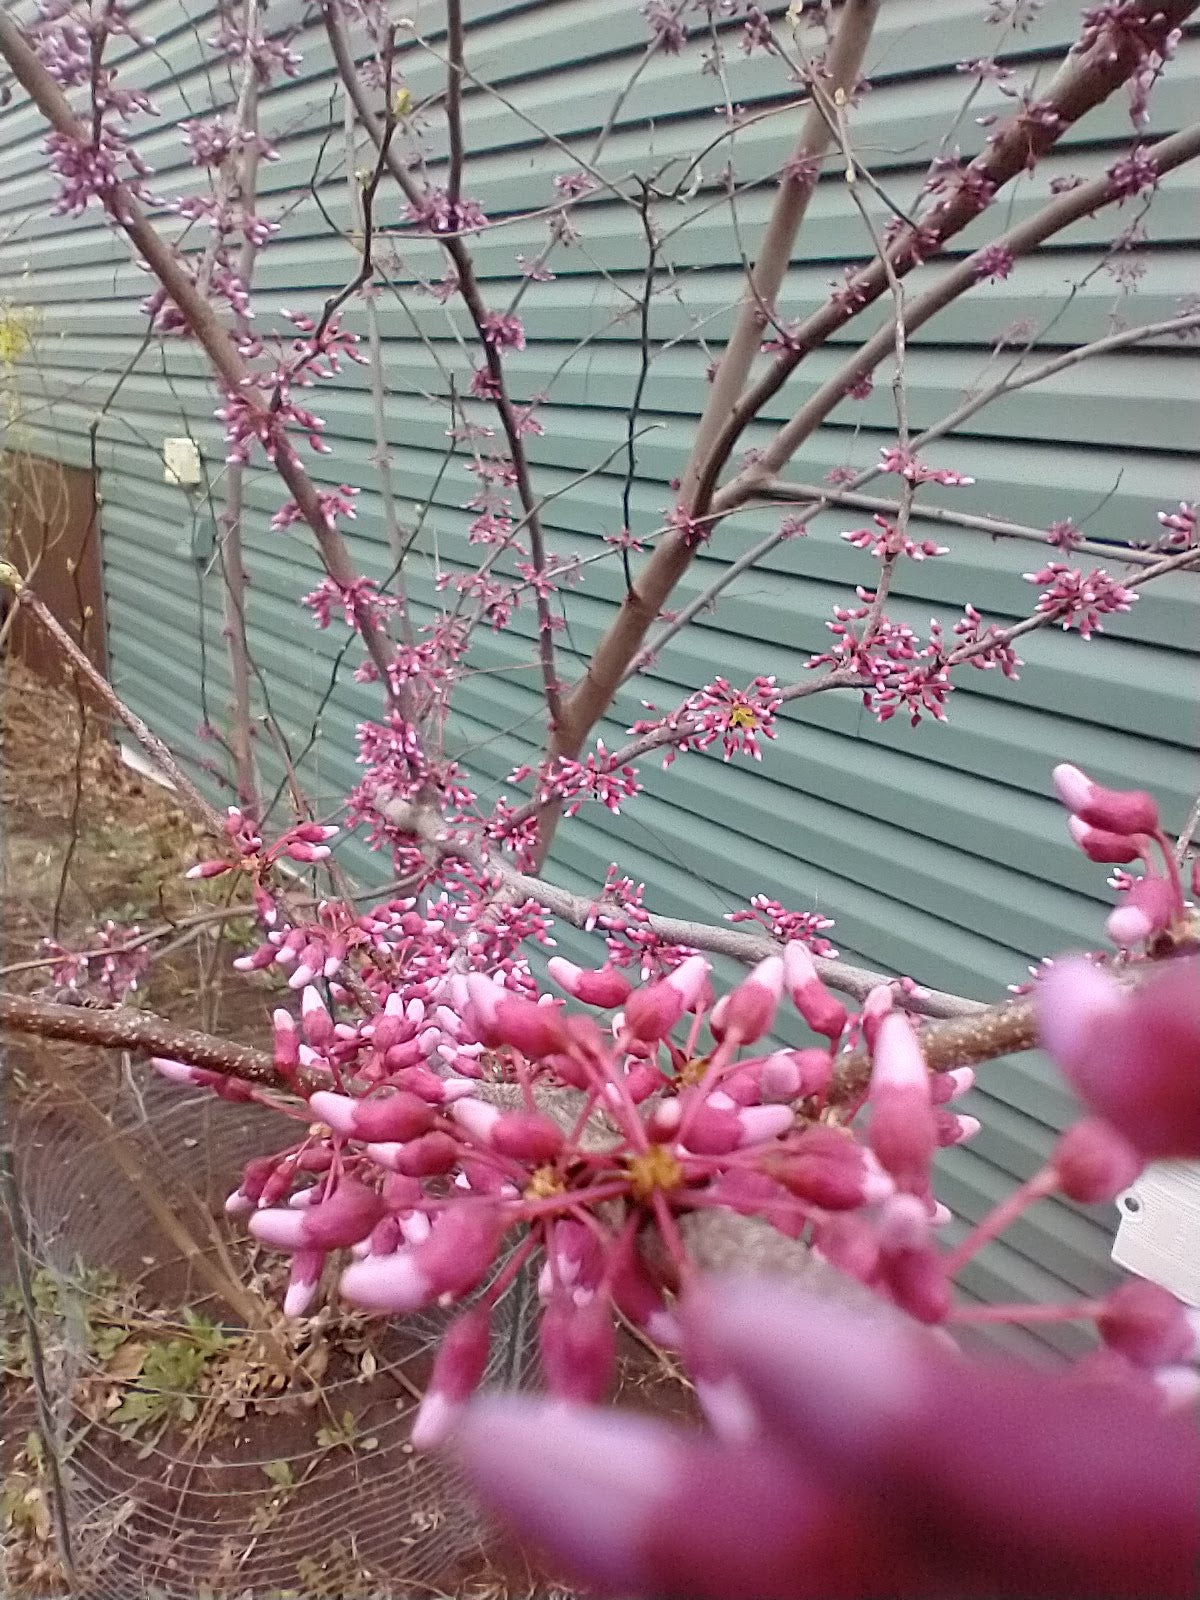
{"points": [[123, 1028], [168, 267], [1084, 81]]}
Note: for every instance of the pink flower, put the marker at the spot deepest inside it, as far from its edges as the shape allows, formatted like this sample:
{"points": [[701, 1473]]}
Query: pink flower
{"points": [[1147, 1325], [812, 1000], [1130, 1052], [992, 264], [384, 1118], [879, 1464], [747, 1011], [503, 332], [578, 1347], [1148, 908], [1093, 1163]]}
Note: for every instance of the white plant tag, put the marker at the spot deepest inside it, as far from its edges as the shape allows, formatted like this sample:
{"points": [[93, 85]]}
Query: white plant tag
{"points": [[1159, 1234]]}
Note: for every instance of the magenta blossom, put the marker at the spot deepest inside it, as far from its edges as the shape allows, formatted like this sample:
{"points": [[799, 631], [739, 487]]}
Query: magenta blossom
{"points": [[869, 1460], [1131, 1053]]}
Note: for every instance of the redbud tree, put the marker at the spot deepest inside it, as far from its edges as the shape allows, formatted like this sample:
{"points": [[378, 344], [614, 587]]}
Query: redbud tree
{"points": [[454, 1104]]}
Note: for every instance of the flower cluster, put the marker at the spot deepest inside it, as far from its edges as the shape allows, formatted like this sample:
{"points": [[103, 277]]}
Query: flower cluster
{"points": [[1118, 827], [896, 669], [70, 41], [360, 602], [596, 777], [112, 964], [1180, 525], [890, 541], [1078, 599], [803, 927], [464, 1109], [911, 468], [737, 717], [466, 1125], [304, 842]]}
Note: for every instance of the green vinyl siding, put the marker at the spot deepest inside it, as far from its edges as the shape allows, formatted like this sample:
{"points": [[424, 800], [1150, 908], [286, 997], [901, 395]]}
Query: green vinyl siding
{"points": [[938, 850]]}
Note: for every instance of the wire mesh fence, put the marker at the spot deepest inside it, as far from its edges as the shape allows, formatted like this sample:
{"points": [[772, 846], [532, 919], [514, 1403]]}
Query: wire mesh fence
{"points": [[207, 1450]]}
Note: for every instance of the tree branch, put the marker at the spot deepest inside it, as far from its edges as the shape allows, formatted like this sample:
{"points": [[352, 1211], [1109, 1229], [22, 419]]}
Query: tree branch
{"points": [[1044, 224], [817, 495], [123, 1028], [468, 287], [168, 267], [592, 693], [1083, 82]]}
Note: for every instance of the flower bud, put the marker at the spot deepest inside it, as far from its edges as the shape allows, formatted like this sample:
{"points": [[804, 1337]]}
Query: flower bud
{"points": [[1130, 1053], [528, 1136], [902, 1132], [535, 1030], [638, 1297], [812, 1000], [301, 850], [690, 980], [908, 1265], [1147, 908], [458, 1370], [578, 1348], [1146, 1325], [829, 1170], [315, 1020], [208, 869], [302, 1282], [1124, 811], [458, 1252], [642, 1080], [876, 1006], [308, 967], [945, 1086], [425, 1157], [181, 1072], [388, 1118], [1100, 845], [796, 1074], [952, 1128], [653, 1010], [1094, 1163], [605, 988], [713, 1129], [341, 1219], [256, 960], [747, 1011]]}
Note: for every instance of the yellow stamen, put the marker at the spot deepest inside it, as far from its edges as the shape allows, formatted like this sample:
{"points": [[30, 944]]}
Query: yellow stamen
{"points": [[657, 1169], [692, 1071], [544, 1183]]}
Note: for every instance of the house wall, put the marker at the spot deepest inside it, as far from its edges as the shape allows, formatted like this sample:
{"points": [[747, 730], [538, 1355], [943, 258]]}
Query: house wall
{"points": [[939, 850]]}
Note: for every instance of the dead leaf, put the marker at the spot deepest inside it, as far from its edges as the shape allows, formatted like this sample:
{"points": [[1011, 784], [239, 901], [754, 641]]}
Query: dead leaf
{"points": [[126, 1361]]}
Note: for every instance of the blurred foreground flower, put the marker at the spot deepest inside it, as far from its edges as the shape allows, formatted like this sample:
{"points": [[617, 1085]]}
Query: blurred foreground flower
{"points": [[871, 1460]]}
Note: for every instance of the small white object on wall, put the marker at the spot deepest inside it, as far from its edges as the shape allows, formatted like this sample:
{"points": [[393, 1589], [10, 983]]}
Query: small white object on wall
{"points": [[1159, 1234], [181, 463]]}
